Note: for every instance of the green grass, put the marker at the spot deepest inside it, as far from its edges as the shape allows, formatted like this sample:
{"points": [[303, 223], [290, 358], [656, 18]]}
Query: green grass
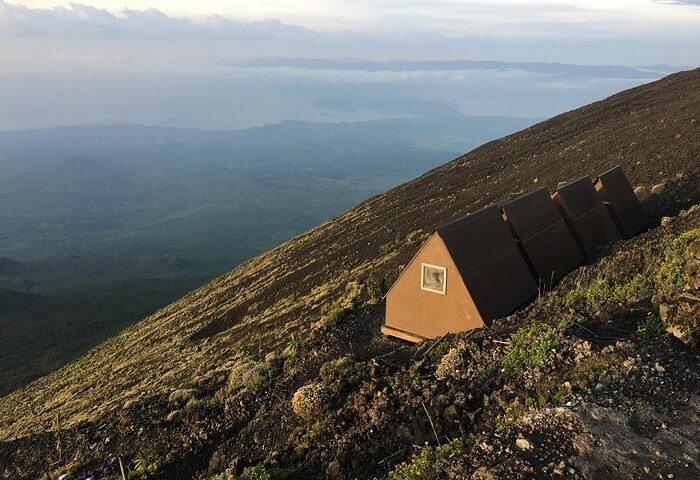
{"points": [[600, 292], [258, 472], [531, 346], [652, 327], [342, 370], [424, 465], [671, 274], [333, 319]]}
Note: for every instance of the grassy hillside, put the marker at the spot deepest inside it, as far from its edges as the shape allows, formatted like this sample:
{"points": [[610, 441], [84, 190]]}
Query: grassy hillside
{"points": [[267, 302]]}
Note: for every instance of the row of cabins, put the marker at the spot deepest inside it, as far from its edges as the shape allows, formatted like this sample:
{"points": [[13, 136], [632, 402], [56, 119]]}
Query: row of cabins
{"points": [[487, 264]]}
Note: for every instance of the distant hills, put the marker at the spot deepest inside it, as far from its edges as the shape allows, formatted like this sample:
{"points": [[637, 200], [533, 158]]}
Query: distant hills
{"points": [[552, 69], [11, 268]]}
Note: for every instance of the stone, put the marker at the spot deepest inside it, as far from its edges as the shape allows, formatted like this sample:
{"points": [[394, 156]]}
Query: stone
{"points": [[523, 443], [658, 188], [559, 469], [174, 415], [482, 473], [333, 469], [450, 412], [640, 190], [659, 368], [271, 357]]}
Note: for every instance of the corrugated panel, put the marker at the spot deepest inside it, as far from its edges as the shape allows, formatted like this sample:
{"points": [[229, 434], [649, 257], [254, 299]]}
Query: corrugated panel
{"points": [[489, 262], [615, 190], [544, 237], [586, 216]]}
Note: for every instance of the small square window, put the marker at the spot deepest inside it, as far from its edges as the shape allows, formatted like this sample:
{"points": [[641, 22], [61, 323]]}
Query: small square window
{"points": [[433, 278]]}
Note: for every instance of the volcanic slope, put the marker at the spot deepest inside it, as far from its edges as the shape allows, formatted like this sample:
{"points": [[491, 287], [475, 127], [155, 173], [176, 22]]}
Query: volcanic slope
{"points": [[653, 131]]}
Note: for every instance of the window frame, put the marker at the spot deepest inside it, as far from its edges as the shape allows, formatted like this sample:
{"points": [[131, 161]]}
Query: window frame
{"points": [[422, 278]]}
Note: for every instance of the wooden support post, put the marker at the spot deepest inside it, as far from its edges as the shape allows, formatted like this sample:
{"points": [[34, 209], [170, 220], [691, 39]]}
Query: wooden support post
{"points": [[121, 467]]}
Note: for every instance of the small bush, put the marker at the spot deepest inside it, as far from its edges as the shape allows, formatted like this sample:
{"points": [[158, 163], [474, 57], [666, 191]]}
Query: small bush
{"points": [[510, 414], [318, 431], [247, 374], [332, 320], [206, 404], [309, 400], [376, 288], [451, 364], [485, 373], [531, 347], [295, 344], [145, 466], [599, 292], [411, 380], [671, 274], [258, 472], [589, 297], [343, 371], [181, 396], [652, 327], [424, 466]]}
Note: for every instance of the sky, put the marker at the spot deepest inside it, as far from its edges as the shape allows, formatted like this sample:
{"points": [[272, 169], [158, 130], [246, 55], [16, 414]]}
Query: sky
{"points": [[170, 61], [609, 19]]}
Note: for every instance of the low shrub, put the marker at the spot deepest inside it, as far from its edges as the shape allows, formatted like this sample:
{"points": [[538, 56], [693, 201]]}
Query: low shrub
{"points": [[309, 400], [332, 320], [247, 374], [145, 466], [652, 327], [451, 364], [531, 346], [181, 396], [295, 344], [205, 404], [424, 466], [258, 472], [376, 288], [342, 371]]}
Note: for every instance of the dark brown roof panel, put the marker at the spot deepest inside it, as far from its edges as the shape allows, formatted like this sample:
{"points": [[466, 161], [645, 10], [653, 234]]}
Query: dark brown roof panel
{"points": [[624, 207], [489, 262], [586, 216], [544, 237]]}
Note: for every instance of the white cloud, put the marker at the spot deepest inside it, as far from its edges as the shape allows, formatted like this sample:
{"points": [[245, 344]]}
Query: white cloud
{"points": [[610, 19], [85, 21]]}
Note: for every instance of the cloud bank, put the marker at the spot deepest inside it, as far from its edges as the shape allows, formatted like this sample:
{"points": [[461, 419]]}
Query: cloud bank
{"points": [[85, 21]]}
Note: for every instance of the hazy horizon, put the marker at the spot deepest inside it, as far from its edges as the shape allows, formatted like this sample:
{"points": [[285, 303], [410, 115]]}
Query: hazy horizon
{"points": [[214, 65]]}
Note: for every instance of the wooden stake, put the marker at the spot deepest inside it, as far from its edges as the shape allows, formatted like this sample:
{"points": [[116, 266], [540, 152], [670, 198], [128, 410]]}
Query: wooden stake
{"points": [[431, 424], [121, 467]]}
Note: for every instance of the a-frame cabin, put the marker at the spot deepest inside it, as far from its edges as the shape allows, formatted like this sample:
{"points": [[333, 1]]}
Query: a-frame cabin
{"points": [[546, 241], [467, 273], [622, 204]]}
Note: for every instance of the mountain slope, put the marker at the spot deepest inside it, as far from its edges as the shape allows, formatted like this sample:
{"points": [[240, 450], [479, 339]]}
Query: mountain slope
{"points": [[651, 130]]}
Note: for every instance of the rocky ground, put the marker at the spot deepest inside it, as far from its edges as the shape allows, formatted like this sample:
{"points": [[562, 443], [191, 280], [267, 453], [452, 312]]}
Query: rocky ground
{"points": [[598, 378]]}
